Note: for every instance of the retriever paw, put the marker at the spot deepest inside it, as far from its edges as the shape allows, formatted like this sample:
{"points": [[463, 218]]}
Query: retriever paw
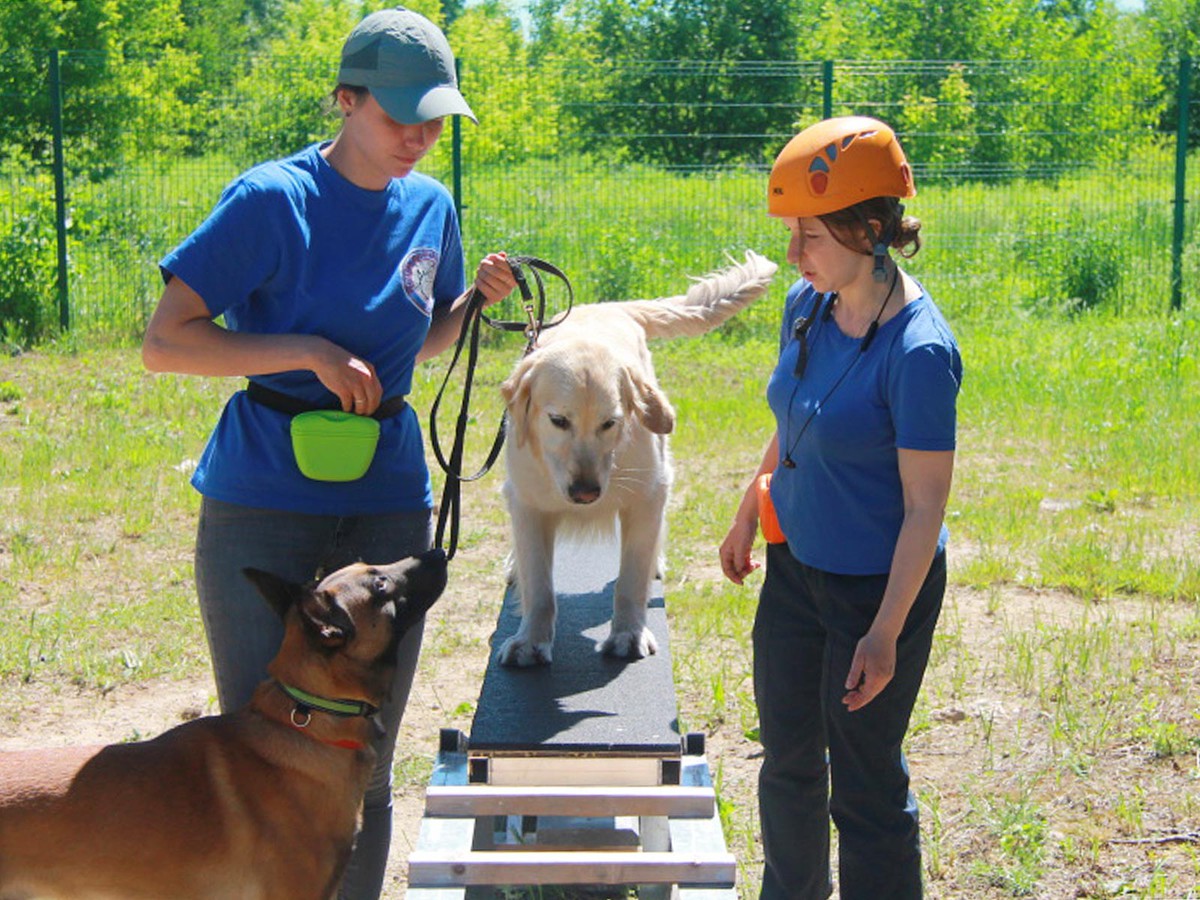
{"points": [[524, 653], [634, 644]]}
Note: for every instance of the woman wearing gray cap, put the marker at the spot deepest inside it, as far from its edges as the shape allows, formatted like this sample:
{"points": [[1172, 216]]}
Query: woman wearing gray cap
{"points": [[335, 270]]}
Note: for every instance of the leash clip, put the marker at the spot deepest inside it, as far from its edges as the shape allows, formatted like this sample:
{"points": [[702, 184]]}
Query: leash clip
{"points": [[533, 329]]}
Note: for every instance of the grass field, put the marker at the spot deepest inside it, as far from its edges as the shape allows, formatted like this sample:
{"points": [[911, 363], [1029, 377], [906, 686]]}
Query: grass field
{"points": [[994, 248], [1056, 746]]}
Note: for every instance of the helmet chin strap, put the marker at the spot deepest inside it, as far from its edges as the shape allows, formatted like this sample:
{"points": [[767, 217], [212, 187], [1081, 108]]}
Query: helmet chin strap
{"points": [[879, 272], [880, 244]]}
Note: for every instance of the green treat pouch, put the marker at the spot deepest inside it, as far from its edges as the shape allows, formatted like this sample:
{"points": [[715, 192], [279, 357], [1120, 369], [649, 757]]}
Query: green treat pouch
{"points": [[331, 445]]}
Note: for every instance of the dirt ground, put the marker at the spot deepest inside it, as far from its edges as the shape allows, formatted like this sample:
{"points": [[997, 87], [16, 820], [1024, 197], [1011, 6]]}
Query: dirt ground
{"points": [[987, 742]]}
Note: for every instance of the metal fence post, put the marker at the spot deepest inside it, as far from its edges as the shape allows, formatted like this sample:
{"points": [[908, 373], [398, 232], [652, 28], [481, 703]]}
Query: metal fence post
{"points": [[827, 88], [456, 153], [60, 190], [1181, 147]]}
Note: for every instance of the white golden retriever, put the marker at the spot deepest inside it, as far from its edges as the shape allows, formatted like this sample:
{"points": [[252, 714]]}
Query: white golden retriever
{"points": [[587, 447]]}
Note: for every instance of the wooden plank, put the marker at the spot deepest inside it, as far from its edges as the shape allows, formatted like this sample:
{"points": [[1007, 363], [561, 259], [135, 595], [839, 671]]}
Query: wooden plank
{"points": [[552, 836], [586, 740], [454, 892], [699, 835], [441, 835], [578, 771], [684, 893], [438, 836], [490, 800], [446, 869]]}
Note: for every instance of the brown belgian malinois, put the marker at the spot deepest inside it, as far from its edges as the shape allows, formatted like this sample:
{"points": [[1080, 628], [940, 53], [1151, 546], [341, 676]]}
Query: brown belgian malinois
{"points": [[261, 803]]}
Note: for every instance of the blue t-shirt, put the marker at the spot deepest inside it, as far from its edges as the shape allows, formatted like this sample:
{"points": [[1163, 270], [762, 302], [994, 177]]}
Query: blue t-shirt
{"points": [[293, 247], [842, 504]]}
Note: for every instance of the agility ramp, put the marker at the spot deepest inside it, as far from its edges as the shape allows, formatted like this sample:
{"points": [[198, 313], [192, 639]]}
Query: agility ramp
{"points": [[576, 773]]}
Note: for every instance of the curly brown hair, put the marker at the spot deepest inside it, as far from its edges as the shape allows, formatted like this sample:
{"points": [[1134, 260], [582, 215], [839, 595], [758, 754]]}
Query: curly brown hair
{"points": [[849, 225]]}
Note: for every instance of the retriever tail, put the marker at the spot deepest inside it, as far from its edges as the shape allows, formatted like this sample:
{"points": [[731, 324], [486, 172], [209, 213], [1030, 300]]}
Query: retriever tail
{"points": [[710, 301]]}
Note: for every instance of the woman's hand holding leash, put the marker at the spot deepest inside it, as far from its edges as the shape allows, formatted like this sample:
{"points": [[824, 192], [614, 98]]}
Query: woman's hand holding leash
{"points": [[494, 278]]}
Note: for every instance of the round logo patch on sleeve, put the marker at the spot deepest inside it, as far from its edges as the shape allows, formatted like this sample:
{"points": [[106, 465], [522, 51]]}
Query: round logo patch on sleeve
{"points": [[417, 273]]}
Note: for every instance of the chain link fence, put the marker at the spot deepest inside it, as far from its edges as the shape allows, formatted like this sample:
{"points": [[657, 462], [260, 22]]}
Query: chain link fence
{"points": [[1043, 186]]}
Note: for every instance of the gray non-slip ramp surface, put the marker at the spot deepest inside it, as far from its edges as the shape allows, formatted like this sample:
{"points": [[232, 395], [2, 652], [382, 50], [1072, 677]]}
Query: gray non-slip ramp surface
{"points": [[583, 702]]}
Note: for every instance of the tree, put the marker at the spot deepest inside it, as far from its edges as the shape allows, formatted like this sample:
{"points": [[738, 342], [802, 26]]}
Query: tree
{"points": [[513, 100], [121, 74], [286, 82], [1174, 25], [675, 73]]}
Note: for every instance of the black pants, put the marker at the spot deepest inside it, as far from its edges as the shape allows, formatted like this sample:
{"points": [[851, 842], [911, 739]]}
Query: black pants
{"points": [[821, 760]]}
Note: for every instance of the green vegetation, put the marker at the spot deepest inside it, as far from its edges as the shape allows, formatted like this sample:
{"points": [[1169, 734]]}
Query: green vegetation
{"points": [[992, 251]]}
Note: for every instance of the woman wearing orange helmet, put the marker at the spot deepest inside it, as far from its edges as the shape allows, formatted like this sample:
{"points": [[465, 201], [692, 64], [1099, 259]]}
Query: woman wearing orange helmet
{"points": [[864, 395]]}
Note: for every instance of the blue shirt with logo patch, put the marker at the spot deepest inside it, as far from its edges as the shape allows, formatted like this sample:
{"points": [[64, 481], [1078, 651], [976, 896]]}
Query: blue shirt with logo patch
{"points": [[842, 504], [293, 247]]}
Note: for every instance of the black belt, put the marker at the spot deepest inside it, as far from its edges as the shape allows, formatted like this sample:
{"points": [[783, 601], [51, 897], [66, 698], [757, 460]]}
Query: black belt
{"points": [[292, 406]]}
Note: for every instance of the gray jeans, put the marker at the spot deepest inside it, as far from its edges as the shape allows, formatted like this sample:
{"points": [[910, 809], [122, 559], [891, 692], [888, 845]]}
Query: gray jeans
{"points": [[244, 633]]}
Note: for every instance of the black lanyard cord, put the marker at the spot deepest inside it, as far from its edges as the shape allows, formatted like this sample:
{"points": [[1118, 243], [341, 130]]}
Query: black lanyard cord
{"points": [[449, 512]]}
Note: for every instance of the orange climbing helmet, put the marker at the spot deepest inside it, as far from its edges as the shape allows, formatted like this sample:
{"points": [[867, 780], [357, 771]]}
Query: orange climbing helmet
{"points": [[835, 164]]}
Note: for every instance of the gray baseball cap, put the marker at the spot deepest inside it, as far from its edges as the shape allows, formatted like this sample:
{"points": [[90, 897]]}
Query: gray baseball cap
{"points": [[406, 63]]}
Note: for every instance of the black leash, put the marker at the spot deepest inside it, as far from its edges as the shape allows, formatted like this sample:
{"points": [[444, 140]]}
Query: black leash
{"points": [[449, 513]]}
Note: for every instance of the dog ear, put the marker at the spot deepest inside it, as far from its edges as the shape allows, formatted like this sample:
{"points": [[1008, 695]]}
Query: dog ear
{"points": [[324, 620], [517, 398], [327, 622], [649, 402], [280, 593]]}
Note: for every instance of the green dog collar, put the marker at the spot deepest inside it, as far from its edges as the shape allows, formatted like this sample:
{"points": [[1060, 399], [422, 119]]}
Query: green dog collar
{"points": [[347, 709]]}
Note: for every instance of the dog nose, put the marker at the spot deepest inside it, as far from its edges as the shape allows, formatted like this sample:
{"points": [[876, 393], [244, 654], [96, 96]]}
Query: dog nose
{"points": [[584, 492], [435, 557], [426, 571]]}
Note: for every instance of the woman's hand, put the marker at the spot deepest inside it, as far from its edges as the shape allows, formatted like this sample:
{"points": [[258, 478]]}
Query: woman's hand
{"points": [[352, 379], [872, 668], [494, 278], [736, 561]]}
